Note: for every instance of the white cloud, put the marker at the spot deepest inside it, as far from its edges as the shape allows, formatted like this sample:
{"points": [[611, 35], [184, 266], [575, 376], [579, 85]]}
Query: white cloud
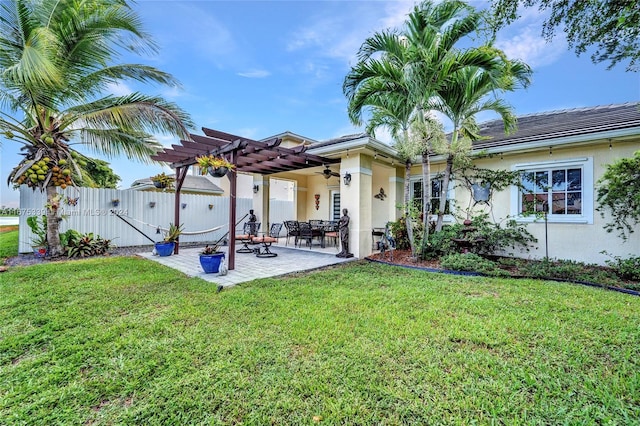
{"points": [[396, 13], [255, 74], [166, 140], [119, 89], [194, 25], [523, 40], [340, 35], [531, 48], [173, 92]]}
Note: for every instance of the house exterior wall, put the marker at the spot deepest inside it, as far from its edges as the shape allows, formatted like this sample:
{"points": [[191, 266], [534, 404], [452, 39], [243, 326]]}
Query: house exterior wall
{"points": [[244, 184], [583, 240], [381, 207]]}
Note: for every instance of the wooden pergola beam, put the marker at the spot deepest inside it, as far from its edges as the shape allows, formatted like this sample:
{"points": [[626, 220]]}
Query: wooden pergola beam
{"points": [[245, 154]]}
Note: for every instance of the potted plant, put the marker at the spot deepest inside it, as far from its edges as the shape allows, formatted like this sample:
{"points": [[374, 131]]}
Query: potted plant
{"points": [[39, 243], [211, 258], [162, 181], [115, 202], [166, 246], [215, 166]]}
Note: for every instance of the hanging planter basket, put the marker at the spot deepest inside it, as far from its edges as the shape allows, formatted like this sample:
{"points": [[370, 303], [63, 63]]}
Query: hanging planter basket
{"points": [[160, 185], [218, 171]]}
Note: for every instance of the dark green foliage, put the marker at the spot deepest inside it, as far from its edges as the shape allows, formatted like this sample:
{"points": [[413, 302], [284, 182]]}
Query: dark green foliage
{"points": [[567, 270], [489, 238], [473, 263], [76, 244], [38, 225], [626, 268], [399, 231], [619, 192]]}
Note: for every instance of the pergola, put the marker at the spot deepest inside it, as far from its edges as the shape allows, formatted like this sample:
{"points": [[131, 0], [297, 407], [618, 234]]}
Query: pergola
{"points": [[247, 155]]}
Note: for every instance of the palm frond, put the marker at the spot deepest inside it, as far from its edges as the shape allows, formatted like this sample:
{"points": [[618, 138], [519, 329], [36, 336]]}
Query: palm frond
{"points": [[136, 111]]}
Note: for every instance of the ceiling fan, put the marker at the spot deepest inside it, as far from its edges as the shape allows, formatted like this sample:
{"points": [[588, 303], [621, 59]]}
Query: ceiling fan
{"points": [[327, 173]]}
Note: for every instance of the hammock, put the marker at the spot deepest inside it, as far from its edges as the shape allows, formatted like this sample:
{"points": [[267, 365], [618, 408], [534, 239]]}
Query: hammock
{"points": [[158, 228]]}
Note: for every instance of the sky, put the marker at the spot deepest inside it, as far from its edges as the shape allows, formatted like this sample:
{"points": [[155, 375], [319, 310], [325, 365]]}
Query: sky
{"points": [[260, 68]]}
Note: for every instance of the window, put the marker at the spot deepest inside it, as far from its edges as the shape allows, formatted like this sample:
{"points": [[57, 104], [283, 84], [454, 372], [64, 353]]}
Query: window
{"points": [[436, 189], [558, 188]]}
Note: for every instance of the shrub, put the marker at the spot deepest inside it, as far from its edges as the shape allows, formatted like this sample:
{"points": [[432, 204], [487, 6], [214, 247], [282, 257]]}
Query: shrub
{"points": [[627, 269], [491, 238], [567, 270], [500, 239], [399, 231], [76, 244], [473, 263]]}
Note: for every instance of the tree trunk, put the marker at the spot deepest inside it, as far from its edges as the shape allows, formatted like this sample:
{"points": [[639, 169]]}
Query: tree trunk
{"points": [[53, 222], [407, 200], [426, 201], [443, 192]]}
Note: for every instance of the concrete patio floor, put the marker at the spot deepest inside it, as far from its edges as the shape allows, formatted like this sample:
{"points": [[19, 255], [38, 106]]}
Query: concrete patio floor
{"points": [[249, 267]]}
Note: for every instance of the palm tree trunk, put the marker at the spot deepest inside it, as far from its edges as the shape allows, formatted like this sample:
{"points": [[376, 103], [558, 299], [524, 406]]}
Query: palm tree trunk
{"points": [[53, 222], [443, 192], [426, 201], [407, 200]]}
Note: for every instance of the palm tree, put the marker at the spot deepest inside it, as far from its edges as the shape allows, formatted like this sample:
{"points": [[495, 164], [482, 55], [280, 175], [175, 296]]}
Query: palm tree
{"points": [[378, 85], [413, 65], [468, 92], [58, 57]]}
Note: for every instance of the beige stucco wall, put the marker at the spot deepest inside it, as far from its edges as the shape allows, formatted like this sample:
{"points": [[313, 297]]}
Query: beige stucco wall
{"points": [[576, 241]]}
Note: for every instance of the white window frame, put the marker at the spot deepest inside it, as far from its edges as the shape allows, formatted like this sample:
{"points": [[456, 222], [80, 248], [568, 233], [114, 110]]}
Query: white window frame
{"points": [[585, 163], [451, 197]]}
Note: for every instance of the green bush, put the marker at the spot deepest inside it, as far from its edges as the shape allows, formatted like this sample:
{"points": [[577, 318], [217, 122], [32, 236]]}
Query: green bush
{"points": [[399, 232], [473, 263], [627, 269], [490, 238], [76, 244], [567, 270]]}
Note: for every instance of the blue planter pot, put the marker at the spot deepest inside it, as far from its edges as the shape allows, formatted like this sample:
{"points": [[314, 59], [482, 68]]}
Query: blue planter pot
{"points": [[211, 262], [165, 249]]}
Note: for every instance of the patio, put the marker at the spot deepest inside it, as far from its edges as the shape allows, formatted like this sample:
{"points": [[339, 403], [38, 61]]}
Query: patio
{"points": [[249, 267]]}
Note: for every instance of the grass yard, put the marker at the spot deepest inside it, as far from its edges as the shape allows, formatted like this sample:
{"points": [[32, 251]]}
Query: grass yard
{"points": [[127, 341], [8, 242]]}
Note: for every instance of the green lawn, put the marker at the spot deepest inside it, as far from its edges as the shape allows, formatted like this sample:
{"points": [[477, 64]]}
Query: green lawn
{"points": [[127, 341], [8, 242]]}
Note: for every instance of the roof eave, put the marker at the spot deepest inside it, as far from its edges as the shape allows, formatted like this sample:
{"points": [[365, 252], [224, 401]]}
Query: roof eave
{"points": [[588, 138]]}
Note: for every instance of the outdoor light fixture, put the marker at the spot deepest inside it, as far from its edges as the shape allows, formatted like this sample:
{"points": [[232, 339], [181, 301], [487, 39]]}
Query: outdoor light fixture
{"points": [[152, 204], [184, 205], [347, 178], [256, 188]]}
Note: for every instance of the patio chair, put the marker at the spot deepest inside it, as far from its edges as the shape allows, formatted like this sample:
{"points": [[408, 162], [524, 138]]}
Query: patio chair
{"points": [[331, 232], [266, 240], [306, 233], [293, 230], [249, 230]]}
